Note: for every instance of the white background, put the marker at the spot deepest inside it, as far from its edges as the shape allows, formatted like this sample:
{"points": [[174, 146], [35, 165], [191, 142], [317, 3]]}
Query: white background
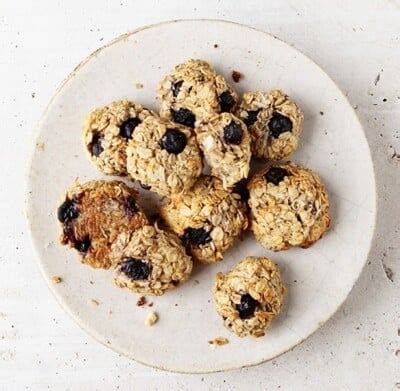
{"points": [[354, 41]]}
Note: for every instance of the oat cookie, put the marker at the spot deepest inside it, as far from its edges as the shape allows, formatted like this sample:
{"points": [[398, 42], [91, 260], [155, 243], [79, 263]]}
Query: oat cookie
{"points": [[289, 207], [208, 218], [94, 214], [164, 156], [107, 131], [194, 91], [250, 296], [150, 261], [274, 123], [225, 142]]}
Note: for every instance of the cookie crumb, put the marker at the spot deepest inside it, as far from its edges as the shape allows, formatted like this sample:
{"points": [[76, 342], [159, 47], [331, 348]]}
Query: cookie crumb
{"points": [[219, 341], [236, 76], [321, 113], [141, 301], [139, 86], [151, 319], [93, 302], [56, 279], [196, 282], [41, 146], [150, 304], [215, 45]]}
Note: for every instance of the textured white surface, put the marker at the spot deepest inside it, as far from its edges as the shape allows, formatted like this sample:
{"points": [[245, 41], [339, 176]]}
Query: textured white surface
{"points": [[41, 41]]}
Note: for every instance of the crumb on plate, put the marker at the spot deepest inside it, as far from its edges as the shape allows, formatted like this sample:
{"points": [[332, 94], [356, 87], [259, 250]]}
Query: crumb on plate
{"points": [[219, 341], [151, 319], [56, 279], [141, 301], [236, 76]]}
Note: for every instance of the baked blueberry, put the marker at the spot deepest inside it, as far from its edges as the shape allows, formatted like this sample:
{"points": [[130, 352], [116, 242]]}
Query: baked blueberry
{"points": [[130, 206], [67, 211], [173, 141], [279, 124], [251, 117], [95, 146], [127, 127], [183, 117], [226, 101], [82, 245], [247, 306], [241, 189], [136, 269], [176, 87], [275, 175], [196, 236], [233, 133]]}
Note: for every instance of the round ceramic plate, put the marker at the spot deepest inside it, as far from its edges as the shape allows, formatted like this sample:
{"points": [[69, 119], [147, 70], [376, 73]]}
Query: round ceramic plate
{"points": [[333, 143]]}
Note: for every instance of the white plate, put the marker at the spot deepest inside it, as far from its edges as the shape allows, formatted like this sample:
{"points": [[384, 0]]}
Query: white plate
{"points": [[333, 144]]}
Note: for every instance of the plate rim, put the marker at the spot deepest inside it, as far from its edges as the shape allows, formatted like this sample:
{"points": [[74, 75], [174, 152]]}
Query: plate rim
{"points": [[28, 199]]}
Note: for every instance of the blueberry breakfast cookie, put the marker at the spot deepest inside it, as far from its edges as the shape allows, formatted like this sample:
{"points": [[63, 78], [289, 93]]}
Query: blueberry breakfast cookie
{"points": [[150, 261], [107, 131], [94, 214], [225, 142], [289, 207], [164, 155], [208, 218], [194, 91], [274, 123], [250, 296]]}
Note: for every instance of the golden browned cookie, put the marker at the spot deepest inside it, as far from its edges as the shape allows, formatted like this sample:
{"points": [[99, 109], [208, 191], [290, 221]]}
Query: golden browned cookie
{"points": [[207, 217], [274, 123], [164, 156], [289, 207], [107, 131], [249, 296], [225, 142], [94, 214], [194, 91], [150, 261]]}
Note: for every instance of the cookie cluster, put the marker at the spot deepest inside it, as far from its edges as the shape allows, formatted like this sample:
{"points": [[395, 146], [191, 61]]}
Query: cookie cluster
{"points": [[202, 126]]}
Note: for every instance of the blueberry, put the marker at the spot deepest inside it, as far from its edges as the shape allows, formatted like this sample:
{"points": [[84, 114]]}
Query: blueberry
{"points": [[233, 133], [130, 206], [251, 117], [82, 245], [95, 146], [241, 189], [67, 211], [136, 269], [247, 306], [196, 236], [279, 124], [176, 87], [184, 117], [275, 175], [173, 141], [127, 127], [226, 101]]}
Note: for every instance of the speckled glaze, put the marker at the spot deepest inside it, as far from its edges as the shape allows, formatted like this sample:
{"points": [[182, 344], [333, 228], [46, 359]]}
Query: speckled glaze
{"points": [[318, 279]]}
